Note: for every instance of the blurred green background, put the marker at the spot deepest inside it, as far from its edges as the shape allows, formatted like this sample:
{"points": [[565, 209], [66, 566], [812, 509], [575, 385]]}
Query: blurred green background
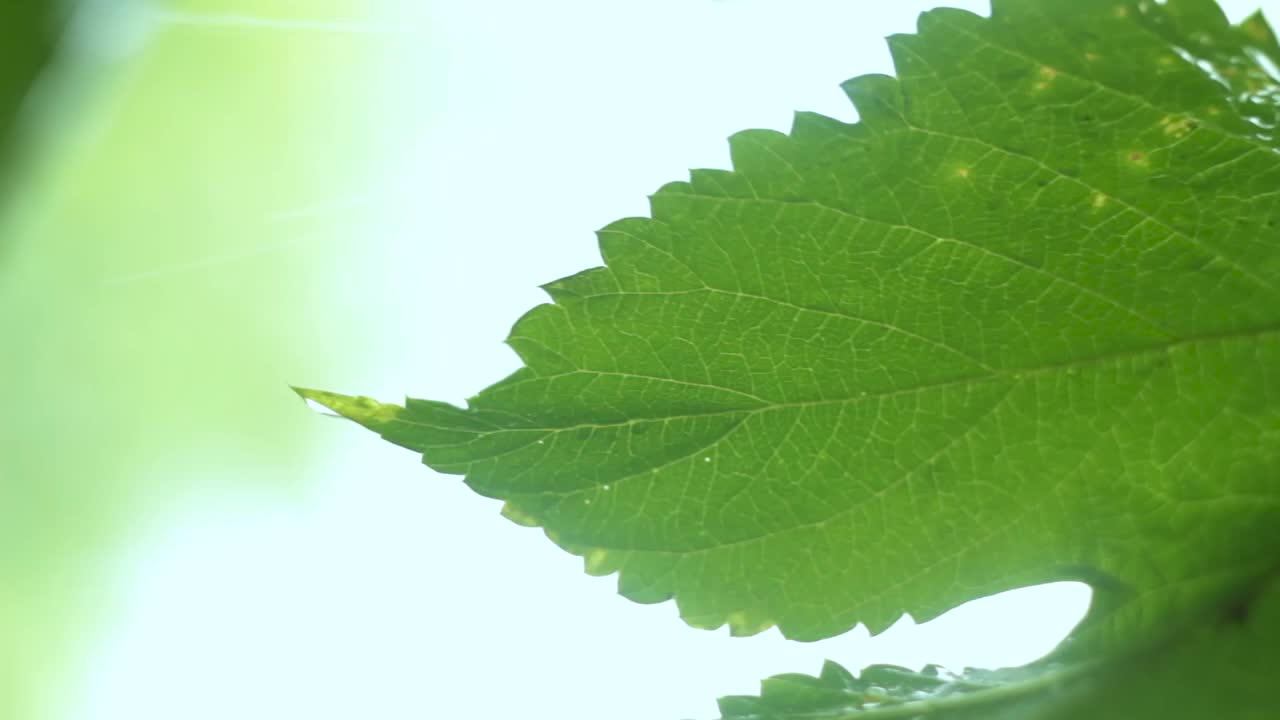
{"points": [[190, 186], [28, 31]]}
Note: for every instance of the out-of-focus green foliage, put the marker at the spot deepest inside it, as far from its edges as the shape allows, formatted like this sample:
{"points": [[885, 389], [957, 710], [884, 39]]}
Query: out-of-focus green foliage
{"points": [[179, 225], [28, 31]]}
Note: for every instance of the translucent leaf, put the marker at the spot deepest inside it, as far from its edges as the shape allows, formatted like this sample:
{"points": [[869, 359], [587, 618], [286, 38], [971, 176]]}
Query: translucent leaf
{"points": [[1019, 324], [1224, 667]]}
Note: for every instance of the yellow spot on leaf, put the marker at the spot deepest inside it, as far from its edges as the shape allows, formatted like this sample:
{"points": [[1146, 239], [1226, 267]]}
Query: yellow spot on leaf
{"points": [[596, 562], [742, 623], [1099, 200], [518, 516], [962, 172], [1047, 75], [1177, 126], [1256, 30]]}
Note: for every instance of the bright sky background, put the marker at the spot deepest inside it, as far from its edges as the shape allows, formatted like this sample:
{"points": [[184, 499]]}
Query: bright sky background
{"points": [[509, 132]]}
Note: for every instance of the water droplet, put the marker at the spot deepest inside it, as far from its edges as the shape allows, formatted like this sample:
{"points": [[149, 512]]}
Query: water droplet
{"points": [[706, 459], [604, 487]]}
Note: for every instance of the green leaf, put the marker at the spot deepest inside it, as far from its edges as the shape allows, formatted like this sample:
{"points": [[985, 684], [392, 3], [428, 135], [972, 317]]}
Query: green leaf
{"points": [[1222, 668], [1020, 324], [837, 692]]}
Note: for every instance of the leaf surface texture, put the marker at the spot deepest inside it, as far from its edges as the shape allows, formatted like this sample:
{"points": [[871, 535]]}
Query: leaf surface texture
{"points": [[1019, 324]]}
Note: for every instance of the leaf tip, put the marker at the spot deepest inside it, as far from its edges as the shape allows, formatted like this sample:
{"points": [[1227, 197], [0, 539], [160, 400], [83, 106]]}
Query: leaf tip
{"points": [[363, 410]]}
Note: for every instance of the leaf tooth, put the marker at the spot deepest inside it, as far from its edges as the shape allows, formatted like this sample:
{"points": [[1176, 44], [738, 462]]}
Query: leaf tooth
{"points": [[878, 100], [805, 125]]}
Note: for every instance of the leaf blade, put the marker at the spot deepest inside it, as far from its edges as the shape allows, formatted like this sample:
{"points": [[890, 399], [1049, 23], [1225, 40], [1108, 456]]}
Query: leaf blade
{"points": [[998, 333]]}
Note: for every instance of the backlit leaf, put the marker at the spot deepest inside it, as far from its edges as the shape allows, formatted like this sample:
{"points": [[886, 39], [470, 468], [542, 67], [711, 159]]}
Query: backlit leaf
{"points": [[1019, 324]]}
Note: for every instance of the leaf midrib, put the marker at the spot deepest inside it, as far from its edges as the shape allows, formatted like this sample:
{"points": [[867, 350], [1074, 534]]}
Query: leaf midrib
{"points": [[1016, 373], [743, 415]]}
